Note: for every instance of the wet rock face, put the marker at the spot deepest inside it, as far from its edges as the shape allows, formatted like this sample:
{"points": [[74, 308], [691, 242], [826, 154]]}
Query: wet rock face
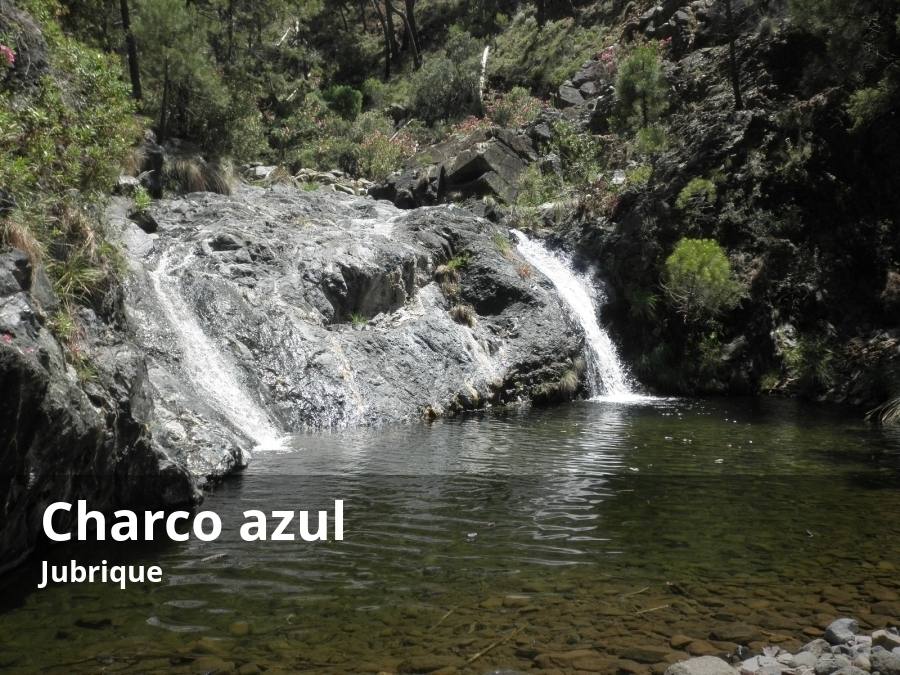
{"points": [[65, 438], [328, 312]]}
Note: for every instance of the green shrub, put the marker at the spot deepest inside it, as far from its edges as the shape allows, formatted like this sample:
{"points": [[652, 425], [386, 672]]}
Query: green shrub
{"points": [[579, 152], [639, 176], [516, 108], [699, 281], [458, 262], [651, 141], [869, 104], [446, 87], [696, 195], [61, 145], [540, 57], [142, 199], [345, 101], [809, 363], [641, 94], [537, 187]]}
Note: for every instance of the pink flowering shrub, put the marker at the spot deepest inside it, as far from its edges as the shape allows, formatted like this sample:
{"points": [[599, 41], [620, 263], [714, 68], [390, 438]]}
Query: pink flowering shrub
{"points": [[609, 57], [8, 55]]}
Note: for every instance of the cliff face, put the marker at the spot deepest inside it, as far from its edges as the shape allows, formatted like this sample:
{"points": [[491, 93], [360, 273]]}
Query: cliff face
{"points": [[804, 202], [63, 436]]}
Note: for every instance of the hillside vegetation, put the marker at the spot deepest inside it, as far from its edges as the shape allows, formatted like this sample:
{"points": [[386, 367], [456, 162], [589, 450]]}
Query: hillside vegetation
{"points": [[731, 173]]}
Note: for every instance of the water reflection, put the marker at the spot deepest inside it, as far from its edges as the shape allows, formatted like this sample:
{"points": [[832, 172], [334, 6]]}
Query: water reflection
{"points": [[551, 519]]}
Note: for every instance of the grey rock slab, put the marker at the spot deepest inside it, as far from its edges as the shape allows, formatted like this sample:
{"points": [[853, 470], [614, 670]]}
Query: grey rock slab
{"points": [[321, 310], [703, 665]]}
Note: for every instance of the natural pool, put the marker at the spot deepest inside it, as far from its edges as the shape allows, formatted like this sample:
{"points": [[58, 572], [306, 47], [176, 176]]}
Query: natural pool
{"points": [[596, 537]]}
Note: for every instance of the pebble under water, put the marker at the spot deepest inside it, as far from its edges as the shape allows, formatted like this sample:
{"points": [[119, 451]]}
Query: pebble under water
{"points": [[596, 537]]}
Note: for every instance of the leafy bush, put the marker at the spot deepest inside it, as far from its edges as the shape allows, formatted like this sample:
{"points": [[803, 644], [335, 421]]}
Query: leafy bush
{"points": [[345, 101], [640, 88], [142, 199], [639, 176], [651, 141], [60, 148], [697, 194], [809, 363], [446, 87], [699, 281], [380, 150], [870, 103]]}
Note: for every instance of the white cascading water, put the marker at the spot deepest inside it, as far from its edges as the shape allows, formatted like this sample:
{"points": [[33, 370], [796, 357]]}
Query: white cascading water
{"points": [[208, 368], [607, 378]]}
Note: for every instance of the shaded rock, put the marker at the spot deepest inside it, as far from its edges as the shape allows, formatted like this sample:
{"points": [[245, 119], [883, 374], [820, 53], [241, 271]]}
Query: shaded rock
{"points": [[885, 639], [485, 163], [739, 633], [126, 185], [56, 439], [569, 96]]}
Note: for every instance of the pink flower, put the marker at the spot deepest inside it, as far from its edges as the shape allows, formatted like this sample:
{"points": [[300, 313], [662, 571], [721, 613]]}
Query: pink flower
{"points": [[8, 55], [7, 338]]}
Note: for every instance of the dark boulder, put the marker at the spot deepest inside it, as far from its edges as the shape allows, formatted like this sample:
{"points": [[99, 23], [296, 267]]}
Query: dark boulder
{"points": [[485, 163]]}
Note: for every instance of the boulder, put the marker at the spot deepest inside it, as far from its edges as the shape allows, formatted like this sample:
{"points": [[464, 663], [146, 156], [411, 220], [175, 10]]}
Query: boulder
{"points": [[841, 631], [703, 665], [485, 163], [569, 96], [885, 639], [126, 185], [831, 663], [885, 662]]}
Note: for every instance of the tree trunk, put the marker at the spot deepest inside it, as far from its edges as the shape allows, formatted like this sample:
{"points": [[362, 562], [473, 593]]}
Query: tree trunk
{"points": [[414, 30], [392, 36], [541, 12], [732, 59], [230, 30], [412, 40], [164, 106], [134, 70], [387, 41]]}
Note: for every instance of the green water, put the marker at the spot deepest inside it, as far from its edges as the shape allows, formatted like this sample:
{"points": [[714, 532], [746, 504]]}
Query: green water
{"points": [[582, 537]]}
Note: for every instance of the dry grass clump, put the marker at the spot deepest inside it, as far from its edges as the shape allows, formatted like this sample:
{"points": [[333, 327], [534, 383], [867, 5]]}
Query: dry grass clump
{"points": [[464, 314], [195, 174]]}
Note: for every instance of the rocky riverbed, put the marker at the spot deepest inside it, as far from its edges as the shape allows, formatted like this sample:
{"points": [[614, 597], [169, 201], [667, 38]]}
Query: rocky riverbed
{"points": [[844, 650]]}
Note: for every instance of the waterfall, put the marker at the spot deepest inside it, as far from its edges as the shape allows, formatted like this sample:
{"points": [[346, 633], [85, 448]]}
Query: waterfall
{"points": [[607, 377], [483, 78], [208, 368]]}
